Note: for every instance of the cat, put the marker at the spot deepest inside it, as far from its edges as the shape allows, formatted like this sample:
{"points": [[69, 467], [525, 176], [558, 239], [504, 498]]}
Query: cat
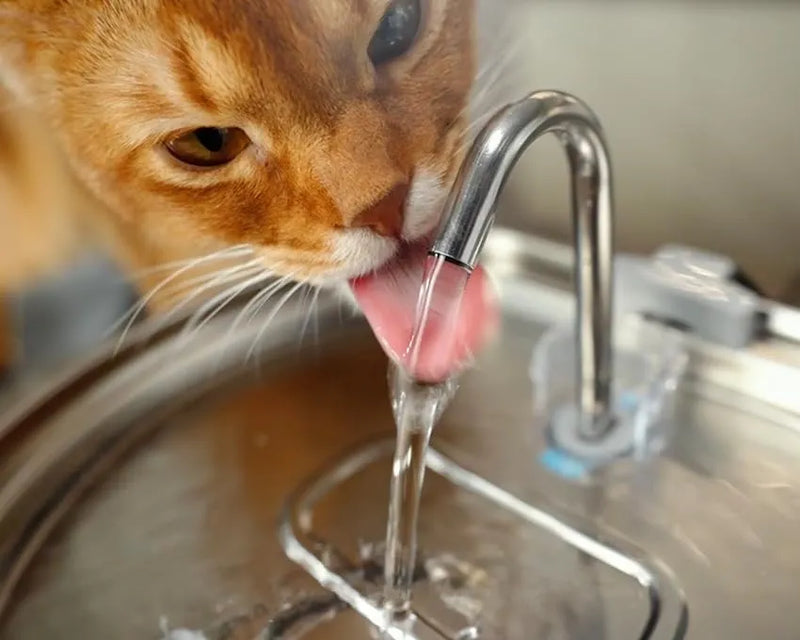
{"points": [[303, 139]]}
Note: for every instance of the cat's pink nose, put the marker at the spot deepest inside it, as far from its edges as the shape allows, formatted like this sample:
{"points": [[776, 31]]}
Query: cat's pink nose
{"points": [[386, 216]]}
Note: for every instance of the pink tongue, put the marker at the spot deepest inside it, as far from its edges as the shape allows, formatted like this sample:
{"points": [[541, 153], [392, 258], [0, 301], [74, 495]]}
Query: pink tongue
{"points": [[455, 329]]}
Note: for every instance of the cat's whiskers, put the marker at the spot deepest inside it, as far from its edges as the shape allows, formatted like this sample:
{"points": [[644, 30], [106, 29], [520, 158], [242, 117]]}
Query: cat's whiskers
{"points": [[187, 290], [225, 278], [492, 69], [129, 318], [339, 301], [270, 317], [215, 305], [314, 302], [253, 307], [497, 66], [258, 301], [485, 100], [228, 253], [180, 267]]}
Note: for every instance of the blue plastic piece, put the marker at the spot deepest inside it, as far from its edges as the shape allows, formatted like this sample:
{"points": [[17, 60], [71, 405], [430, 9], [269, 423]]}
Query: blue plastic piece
{"points": [[564, 465]]}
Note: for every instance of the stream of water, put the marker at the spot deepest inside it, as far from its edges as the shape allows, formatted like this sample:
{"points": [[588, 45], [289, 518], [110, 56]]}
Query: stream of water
{"points": [[417, 407]]}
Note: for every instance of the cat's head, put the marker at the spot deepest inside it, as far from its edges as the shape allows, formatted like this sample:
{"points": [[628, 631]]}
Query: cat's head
{"points": [[323, 132]]}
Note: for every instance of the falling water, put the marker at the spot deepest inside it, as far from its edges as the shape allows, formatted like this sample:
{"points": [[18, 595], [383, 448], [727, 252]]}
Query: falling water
{"points": [[417, 407]]}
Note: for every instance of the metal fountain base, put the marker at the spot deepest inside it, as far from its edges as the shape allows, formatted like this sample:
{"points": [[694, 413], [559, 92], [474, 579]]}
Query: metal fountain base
{"points": [[141, 493], [536, 548]]}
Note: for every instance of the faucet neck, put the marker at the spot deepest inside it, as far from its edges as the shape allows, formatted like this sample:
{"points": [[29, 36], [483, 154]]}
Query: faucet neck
{"points": [[470, 212]]}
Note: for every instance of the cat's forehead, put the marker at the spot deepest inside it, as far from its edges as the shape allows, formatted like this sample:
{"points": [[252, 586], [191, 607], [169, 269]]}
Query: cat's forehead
{"points": [[288, 20], [271, 63], [227, 46]]}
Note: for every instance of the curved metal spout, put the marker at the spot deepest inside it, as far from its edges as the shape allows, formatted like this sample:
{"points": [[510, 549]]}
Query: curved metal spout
{"points": [[469, 216]]}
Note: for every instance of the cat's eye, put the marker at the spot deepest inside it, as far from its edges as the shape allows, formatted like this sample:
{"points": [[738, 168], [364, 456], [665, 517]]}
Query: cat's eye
{"points": [[396, 32], [208, 146]]}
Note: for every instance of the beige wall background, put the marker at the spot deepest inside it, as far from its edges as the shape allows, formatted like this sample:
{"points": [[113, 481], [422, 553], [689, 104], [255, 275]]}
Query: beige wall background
{"points": [[701, 105]]}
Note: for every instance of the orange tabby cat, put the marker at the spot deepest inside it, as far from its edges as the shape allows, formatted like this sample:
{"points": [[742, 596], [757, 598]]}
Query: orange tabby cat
{"points": [[321, 134]]}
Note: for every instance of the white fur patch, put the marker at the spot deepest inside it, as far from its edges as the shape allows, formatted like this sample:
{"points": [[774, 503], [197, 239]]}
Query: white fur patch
{"points": [[360, 251], [424, 207]]}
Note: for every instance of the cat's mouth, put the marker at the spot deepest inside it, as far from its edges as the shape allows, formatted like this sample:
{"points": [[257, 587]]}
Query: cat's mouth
{"points": [[388, 298]]}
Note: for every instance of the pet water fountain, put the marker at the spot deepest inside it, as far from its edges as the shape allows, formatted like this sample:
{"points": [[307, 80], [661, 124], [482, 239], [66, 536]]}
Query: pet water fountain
{"points": [[601, 400]]}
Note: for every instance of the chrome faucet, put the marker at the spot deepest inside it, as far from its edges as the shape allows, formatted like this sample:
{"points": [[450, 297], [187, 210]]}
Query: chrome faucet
{"points": [[470, 213]]}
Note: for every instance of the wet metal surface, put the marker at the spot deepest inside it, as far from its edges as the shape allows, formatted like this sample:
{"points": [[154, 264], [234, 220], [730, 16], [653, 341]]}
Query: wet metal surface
{"points": [[198, 455]]}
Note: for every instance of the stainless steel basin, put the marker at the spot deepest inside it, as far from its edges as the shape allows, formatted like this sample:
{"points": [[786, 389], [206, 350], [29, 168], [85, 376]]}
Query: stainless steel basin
{"points": [[143, 491]]}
